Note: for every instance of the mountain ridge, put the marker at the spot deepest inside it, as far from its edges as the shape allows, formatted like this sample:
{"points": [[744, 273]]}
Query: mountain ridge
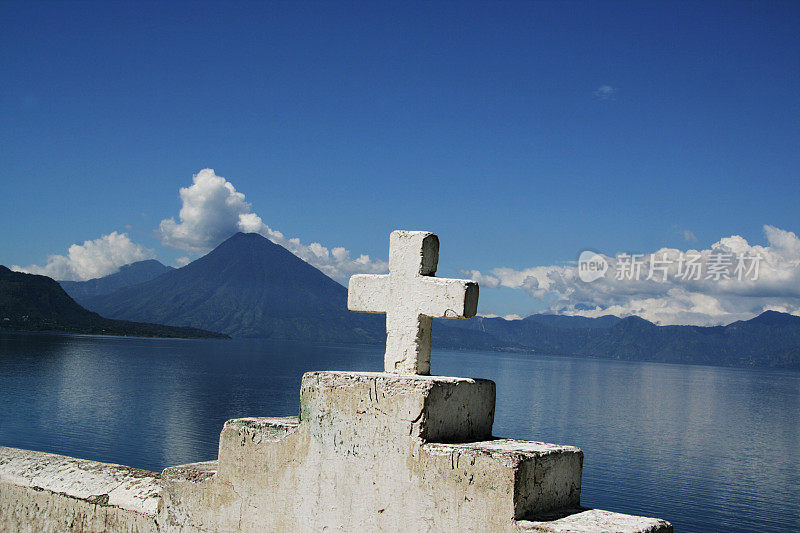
{"points": [[247, 286], [771, 339], [30, 302], [127, 275], [251, 287]]}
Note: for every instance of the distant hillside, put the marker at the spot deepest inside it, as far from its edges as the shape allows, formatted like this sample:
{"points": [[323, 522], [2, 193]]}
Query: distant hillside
{"points": [[37, 303], [771, 339], [247, 287], [251, 287], [128, 275], [564, 321]]}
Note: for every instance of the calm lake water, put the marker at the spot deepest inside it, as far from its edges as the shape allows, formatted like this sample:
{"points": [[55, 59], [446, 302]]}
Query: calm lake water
{"points": [[707, 448]]}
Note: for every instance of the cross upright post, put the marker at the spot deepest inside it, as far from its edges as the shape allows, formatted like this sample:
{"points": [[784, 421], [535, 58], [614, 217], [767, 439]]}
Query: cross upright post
{"points": [[411, 296]]}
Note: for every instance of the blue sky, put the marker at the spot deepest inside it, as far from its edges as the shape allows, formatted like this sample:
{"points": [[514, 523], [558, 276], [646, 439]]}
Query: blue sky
{"points": [[522, 133]]}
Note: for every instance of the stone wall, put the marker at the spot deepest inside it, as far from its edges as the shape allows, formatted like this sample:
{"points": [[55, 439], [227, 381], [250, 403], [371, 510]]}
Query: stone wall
{"points": [[43, 492]]}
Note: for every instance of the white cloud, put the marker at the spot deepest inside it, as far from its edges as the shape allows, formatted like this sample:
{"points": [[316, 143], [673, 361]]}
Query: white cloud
{"points": [[537, 281], [605, 92], [512, 316], [689, 235], [213, 210], [92, 259], [182, 261], [674, 301], [484, 280]]}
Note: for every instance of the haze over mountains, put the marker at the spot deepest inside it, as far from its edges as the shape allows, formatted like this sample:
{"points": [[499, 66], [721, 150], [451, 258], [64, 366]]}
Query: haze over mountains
{"points": [[251, 287], [128, 275]]}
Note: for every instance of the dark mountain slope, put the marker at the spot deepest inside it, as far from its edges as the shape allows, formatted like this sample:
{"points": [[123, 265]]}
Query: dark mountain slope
{"points": [[37, 303]]}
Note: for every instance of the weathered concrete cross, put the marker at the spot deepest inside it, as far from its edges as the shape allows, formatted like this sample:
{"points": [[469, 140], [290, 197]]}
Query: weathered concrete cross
{"points": [[411, 297]]}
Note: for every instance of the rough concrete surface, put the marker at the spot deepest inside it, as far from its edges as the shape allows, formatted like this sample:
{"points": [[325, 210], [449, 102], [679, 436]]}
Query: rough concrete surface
{"points": [[47, 492], [363, 456]]}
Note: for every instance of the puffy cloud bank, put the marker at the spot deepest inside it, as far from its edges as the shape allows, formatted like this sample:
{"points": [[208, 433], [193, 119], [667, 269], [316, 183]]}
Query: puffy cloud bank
{"points": [[92, 259], [213, 210], [667, 291]]}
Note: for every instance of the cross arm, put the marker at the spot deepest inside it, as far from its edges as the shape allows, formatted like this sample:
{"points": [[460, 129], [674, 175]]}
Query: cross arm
{"points": [[368, 293], [450, 298]]}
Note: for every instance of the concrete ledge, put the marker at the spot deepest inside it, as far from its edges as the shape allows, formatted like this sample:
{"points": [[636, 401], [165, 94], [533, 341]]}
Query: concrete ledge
{"points": [[194, 500], [272, 428], [190, 473], [431, 408], [582, 520], [47, 492], [541, 476], [255, 430]]}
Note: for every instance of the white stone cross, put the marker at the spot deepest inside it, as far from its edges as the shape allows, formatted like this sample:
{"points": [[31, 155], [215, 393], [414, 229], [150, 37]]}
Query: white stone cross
{"points": [[411, 297]]}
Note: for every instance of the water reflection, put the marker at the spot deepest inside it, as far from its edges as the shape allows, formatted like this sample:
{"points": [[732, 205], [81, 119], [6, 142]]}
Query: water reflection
{"points": [[708, 448]]}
